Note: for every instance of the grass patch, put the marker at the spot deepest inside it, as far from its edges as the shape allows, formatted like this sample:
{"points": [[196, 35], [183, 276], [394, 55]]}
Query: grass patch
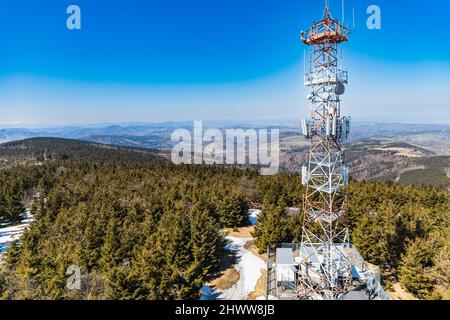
{"points": [[228, 279], [244, 232]]}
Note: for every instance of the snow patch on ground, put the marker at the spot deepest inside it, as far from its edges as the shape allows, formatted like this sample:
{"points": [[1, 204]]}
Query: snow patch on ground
{"points": [[249, 267], [13, 233]]}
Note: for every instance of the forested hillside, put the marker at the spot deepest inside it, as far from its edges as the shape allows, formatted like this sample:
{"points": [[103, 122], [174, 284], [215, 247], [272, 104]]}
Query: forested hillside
{"points": [[141, 228], [137, 226]]}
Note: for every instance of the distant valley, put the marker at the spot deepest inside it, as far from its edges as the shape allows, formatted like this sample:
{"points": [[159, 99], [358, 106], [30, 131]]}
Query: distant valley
{"points": [[406, 153]]}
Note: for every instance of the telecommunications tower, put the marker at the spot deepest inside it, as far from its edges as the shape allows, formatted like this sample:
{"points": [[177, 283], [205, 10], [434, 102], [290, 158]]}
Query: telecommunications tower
{"points": [[324, 265], [325, 271]]}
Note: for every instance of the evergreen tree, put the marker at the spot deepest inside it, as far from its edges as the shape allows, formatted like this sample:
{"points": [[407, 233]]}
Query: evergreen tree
{"points": [[414, 271], [376, 237], [271, 228], [232, 210]]}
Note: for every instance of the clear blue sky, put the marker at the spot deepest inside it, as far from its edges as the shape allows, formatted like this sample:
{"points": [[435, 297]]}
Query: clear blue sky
{"points": [[158, 60]]}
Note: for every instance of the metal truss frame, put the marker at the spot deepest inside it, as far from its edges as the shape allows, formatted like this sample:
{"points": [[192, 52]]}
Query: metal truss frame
{"points": [[324, 202]]}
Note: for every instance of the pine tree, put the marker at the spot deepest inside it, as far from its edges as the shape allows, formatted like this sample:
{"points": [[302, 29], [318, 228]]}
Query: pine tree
{"points": [[271, 228], [206, 239], [233, 209], [376, 237], [414, 271]]}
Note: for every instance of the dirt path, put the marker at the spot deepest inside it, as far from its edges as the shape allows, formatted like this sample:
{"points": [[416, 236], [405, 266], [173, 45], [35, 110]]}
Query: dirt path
{"points": [[400, 294]]}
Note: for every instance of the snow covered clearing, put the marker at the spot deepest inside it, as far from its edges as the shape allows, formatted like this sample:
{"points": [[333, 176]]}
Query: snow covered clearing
{"points": [[247, 264]]}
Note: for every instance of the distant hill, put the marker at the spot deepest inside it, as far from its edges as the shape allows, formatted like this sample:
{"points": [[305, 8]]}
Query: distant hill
{"points": [[382, 160], [37, 151], [398, 162], [406, 153], [434, 138]]}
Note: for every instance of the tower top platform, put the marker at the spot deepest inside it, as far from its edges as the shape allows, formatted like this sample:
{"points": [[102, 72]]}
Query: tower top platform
{"points": [[326, 31]]}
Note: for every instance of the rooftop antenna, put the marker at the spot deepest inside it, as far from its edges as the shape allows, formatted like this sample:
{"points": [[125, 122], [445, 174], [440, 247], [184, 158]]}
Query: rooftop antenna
{"points": [[343, 12], [327, 9], [353, 30]]}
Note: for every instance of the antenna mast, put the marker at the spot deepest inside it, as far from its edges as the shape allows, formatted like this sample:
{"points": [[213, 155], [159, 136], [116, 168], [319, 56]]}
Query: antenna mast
{"points": [[325, 237]]}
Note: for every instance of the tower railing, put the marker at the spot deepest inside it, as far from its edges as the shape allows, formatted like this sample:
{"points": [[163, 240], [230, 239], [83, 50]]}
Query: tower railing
{"points": [[316, 79], [325, 31]]}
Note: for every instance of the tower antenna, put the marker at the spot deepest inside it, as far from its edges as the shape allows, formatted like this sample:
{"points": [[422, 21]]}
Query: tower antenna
{"points": [[353, 19], [327, 9]]}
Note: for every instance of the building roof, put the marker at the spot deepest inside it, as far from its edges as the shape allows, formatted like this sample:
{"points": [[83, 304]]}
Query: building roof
{"points": [[356, 295], [285, 256], [310, 254]]}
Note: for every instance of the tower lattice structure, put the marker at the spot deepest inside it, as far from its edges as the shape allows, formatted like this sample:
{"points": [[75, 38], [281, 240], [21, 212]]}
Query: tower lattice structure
{"points": [[324, 271]]}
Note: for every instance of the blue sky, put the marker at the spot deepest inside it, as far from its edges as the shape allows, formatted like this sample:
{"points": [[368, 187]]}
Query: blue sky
{"points": [[158, 60]]}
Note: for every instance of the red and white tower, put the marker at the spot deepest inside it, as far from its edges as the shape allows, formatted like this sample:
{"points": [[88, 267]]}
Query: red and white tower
{"points": [[324, 271]]}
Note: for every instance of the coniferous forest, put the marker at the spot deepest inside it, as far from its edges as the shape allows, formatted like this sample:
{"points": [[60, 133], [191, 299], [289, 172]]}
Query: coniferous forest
{"points": [[139, 227]]}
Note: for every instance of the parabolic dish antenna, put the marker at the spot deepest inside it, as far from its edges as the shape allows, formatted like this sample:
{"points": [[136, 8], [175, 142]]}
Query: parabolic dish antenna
{"points": [[340, 89]]}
